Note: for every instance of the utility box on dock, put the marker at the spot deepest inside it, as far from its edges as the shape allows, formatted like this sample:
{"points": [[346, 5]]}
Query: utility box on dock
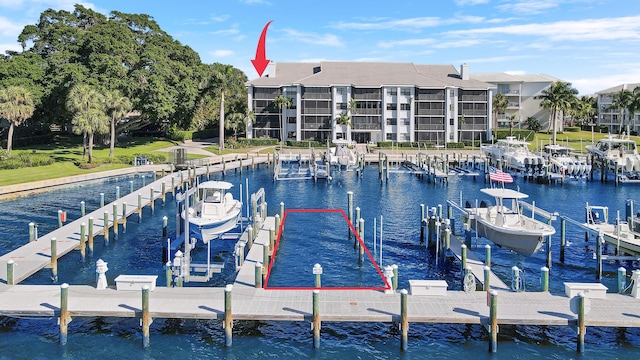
{"points": [[428, 287], [590, 290], [135, 282]]}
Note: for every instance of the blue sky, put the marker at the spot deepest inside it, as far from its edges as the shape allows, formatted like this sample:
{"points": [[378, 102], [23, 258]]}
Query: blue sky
{"points": [[594, 44]]}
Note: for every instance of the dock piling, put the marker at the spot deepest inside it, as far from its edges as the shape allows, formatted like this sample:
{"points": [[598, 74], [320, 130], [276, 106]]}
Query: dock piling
{"points": [[622, 279], [54, 259], [317, 272], [316, 319], [350, 209], [165, 221], [101, 200], [115, 221], [10, 265], [258, 275], [487, 255], [168, 274], [493, 322], [486, 285], [130, 186], [82, 209], [563, 241], [404, 322], [582, 329], [146, 317], [544, 278], [117, 192], [64, 318], [228, 316], [32, 232], [140, 206], [90, 235], [395, 276], [105, 229], [152, 200], [82, 239], [124, 217]]}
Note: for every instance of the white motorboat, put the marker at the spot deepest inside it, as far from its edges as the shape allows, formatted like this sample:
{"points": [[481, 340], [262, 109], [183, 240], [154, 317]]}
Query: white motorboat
{"points": [[623, 233], [214, 211], [617, 151], [514, 154], [342, 156], [504, 224], [562, 162]]}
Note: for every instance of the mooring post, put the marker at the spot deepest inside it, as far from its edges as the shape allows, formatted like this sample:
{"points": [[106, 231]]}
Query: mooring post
{"points": [[173, 186], [164, 192], [563, 241], [54, 259], [165, 222], [463, 265], [130, 186], [422, 223], [124, 217], [117, 192], [361, 246], [544, 278], [277, 224], [101, 200], [152, 200], [82, 239], [272, 239], [622, 279], [258, 275], [250, 236], [317, 272], [599, 242], [82, 209], [486, 285], [548, 252], [487, 255], [582, 329], [144, 181], [493, 322], [316, 319], [64, 319], [32, 232], [265, 255], [168, 274], [140, 206], [90, 235], [10, 265], [395, 276], [105, 229], [404, 322], [59, 218], [350, 209], [356, 222], [146, 318], [115, 221], [228, 316]]}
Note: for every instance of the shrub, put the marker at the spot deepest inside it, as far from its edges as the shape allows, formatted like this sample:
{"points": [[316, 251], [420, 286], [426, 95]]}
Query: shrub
{"points": [[304, 143], [244, 142], [25, 160], [179, 135], [205, 134], [572, 128]]}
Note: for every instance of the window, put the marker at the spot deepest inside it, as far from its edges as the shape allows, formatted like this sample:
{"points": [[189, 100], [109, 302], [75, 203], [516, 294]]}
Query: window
{"points": [[392, 121], [291, 120], [392, 106], [405, 121], [405, 91], [405, 106], [341, 106], [503, 88], [341, 90], [393, 91], [451, 122], [391, 136]]}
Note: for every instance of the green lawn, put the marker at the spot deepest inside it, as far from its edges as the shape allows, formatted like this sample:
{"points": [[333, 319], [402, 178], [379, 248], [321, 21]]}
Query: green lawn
{"points": [[575, 140]]}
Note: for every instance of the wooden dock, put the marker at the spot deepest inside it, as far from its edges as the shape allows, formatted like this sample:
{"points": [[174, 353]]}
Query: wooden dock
{"points": [[36, 255]]}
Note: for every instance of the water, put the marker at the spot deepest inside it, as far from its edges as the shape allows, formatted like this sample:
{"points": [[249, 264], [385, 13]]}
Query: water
{"points": [[314, 239]]}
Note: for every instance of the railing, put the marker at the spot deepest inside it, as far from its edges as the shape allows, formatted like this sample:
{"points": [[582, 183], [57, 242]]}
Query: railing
{"points": [[430, 112], [429, 97], [367, 126], [474, 112], [473, 98]]}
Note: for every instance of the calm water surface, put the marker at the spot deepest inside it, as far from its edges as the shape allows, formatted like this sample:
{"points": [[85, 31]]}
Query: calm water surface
{"points": [[310, 239]]}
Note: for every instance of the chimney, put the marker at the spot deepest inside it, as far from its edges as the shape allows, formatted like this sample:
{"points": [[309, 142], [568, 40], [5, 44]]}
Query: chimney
{"points": [[464, 72], [271, 69]]}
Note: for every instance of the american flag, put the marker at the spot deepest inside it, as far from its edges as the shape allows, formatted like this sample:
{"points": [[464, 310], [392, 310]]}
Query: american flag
{"points": [[499, 175]]}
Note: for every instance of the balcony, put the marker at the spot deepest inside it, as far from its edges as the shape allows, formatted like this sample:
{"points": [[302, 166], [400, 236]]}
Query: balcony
{"points": [[513, 105]]}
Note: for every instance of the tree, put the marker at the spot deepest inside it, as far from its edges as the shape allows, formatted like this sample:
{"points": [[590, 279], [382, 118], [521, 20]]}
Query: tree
{"points": [[558, 98], [89, 113], [16, 105], [117, 107], [585, 110], [533, 124], [344, 120], [621, 101], [512, 119], [499, 105], [282, 102]]}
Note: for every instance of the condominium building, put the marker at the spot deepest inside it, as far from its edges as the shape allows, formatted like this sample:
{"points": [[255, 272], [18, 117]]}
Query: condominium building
{"points": [[385, 102], [609, 116], [521, 91]]}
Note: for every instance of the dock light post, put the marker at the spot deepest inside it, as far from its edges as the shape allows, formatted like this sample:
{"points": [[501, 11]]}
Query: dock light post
{"points": [[317, 271]]}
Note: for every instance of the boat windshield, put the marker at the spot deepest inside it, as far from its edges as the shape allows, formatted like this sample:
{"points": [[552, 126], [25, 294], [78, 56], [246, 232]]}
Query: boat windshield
{"points": [[212, 195]]}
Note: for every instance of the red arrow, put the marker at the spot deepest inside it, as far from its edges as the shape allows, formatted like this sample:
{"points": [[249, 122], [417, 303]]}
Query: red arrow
{"points": [[260, 62]]}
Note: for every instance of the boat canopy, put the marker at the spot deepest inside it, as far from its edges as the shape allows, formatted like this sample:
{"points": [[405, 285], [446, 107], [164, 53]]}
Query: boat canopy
{"points": [[220, 185], [504, 193]]}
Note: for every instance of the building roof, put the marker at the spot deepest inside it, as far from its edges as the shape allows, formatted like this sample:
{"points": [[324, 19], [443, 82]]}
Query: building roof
{"points": [[501, 77], [617, 88], [366, 74]]}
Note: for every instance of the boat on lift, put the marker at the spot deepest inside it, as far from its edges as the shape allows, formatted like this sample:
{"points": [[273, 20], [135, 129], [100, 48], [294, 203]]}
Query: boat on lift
{"points": [[619, 154], [214, 210], [515, 155], [342, 156], [562, 162]]}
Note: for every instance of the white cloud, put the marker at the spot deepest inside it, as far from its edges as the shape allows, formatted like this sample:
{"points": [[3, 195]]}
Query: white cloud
{"points": [[12, 47], [221, 53], [9, 28], [495, 59], [225, 32], [313, 38], [219, 18], [471, 2], [627, 28], [251, 2], [408, 42], [590, 85], [528, 7]]}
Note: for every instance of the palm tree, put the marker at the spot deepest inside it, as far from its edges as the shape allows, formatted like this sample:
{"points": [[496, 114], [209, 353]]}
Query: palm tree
{"points": [[499, 105], [235, 122], [343, 119], [90, 116], [512, 119], [621, 101], [118, 106], [16, 105], [282, 102], [558, 98], [249, 118]]}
